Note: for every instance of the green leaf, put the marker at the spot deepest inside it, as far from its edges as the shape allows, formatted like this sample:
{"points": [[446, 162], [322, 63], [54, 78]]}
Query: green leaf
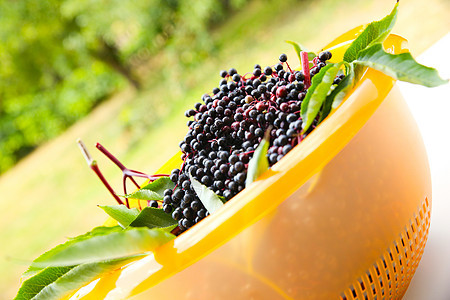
{"points": [[97, 231], [121, 213], [32, 286], [298, 48], [210, 200], [317, 93], [375, 32], [154, 190], [159, 185], [259, 162], [108, 246], [399, 66], [58, 282], [222, 198], [145, 195], [311, 56], [337, 95], [153, 218]]}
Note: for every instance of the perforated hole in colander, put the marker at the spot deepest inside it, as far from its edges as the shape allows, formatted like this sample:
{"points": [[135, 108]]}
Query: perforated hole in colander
{"points": [[391, 274]]}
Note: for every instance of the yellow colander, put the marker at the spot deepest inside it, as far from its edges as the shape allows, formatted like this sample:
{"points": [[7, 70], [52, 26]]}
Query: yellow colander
{"points": [[344, 215]]}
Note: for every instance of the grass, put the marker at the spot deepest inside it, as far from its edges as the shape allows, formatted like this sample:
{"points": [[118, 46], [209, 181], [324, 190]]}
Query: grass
{"points": [[52, 194]]}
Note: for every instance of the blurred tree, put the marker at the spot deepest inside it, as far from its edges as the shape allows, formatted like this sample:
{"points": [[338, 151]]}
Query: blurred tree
{"points": [[58, 59], [45, 83]]}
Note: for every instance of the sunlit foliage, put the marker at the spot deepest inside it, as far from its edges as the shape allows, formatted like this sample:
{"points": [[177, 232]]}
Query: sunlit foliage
{"points": [[58, 59]]}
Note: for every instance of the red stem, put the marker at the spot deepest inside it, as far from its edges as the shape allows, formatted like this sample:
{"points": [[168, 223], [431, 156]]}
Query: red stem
{"points": [[315, 61], [93, 165], [127, 173], [110, 156], [125, 191], [97, 171], [289, 67], [305, 68]]}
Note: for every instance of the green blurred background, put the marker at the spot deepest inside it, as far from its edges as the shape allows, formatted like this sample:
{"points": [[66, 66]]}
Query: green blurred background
{"points": [[122, 73]]}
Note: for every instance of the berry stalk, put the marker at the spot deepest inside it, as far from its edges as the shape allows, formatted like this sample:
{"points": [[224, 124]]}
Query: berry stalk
{"points": [[127, 173], [305, 68], [94, 166]]}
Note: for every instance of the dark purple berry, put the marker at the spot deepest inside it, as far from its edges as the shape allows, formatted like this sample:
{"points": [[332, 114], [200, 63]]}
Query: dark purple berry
{"points": [[283, 57]]}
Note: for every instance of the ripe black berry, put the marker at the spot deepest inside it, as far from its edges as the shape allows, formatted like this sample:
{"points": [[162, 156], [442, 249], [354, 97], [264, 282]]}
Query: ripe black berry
{"points": [[324, 56], [153, 203], [232, 71], [283, 57], [268, 71], [228, 126]]}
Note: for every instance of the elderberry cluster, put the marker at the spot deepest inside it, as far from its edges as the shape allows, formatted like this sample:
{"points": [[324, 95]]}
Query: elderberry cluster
{"points": [[228, 126]]}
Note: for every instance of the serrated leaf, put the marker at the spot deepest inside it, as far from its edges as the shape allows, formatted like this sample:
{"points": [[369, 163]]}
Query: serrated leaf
{"points": [[101, 230], [145, 195], [375, 32], [209, 199], [109, 246], [153, 191], [341, 90], [58, 282], [399, 66], [299, 48], [97, 231], [121, 213], [336, 96], [152, 217], [259, 162], [159, 185], [317, 93], [32, 286]]}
